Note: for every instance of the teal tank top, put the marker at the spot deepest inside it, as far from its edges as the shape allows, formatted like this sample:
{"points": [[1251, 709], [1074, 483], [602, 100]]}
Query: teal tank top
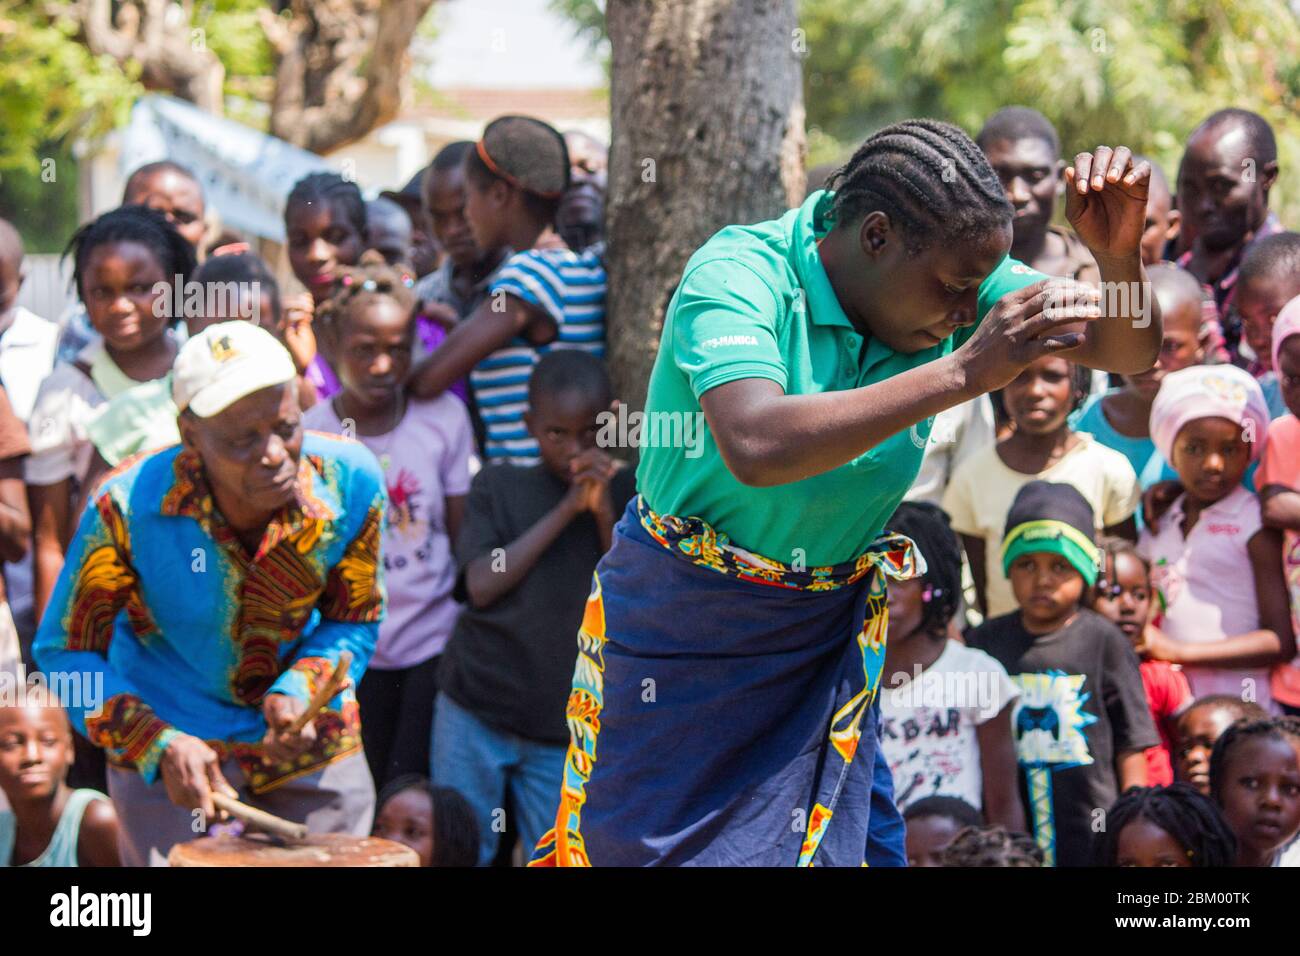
{"points": [[62, 850]]}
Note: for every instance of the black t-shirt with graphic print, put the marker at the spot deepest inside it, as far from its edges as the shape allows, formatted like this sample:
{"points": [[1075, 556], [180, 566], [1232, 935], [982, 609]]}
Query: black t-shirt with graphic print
{"points": [[1081, 704]]}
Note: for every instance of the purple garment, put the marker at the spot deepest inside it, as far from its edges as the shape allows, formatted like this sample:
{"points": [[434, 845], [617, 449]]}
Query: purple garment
{"points": [[431, 336], [322, 376]]}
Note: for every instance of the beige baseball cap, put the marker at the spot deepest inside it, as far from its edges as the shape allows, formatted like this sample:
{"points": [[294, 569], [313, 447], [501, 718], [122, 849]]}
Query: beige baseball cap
{"points": [[226, 362]]}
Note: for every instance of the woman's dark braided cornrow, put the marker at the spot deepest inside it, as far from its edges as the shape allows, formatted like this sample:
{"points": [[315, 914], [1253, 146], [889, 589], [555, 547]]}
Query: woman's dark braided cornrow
{"points": [[922, 174]]}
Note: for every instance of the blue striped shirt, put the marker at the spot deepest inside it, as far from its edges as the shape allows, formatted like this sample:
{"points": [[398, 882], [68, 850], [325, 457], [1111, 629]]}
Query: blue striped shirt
{"points": [[570, 288]]}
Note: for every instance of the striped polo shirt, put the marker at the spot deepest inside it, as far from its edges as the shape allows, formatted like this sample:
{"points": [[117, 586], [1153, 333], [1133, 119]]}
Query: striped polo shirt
{"points": [[570, 287]]}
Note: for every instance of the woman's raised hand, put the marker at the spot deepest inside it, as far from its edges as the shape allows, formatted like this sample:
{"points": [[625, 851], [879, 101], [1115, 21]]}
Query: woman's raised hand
{"points": [[1106, 200], [1040, 319]]}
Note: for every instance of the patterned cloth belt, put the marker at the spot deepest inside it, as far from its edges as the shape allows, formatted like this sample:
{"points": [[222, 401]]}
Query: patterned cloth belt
{"points": [[695, 540]]}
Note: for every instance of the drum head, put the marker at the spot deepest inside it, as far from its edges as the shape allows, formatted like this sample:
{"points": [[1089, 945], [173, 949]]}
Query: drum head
{"points": [[318, 849]]}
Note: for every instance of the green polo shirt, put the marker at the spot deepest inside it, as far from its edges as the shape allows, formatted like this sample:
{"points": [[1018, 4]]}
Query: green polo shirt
{"points": [[755, 302]]}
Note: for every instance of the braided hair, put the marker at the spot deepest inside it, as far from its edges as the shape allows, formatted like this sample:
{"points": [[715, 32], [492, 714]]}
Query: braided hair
{"points": [[138, 224], [928, 525], [455, 828], [992, 846], [1182, 811], [371, 278], [322, 188], [929, 178], [1269, 728]]}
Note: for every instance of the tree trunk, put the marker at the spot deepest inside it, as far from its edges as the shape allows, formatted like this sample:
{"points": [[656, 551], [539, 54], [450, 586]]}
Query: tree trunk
{"points": [[340, 66], [157, 36], [708, 129]]}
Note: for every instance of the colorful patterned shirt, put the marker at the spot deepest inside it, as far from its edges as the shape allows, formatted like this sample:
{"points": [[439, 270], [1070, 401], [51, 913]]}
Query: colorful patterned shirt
{"points": [[161, 602]]}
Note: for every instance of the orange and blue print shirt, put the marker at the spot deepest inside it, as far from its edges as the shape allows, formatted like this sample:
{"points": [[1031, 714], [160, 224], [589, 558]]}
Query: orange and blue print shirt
{"points": [[169, 625]]}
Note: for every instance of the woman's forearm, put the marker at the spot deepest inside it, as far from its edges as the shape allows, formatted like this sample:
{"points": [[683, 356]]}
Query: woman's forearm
{"points": [[769, 438], [1127, 338]]}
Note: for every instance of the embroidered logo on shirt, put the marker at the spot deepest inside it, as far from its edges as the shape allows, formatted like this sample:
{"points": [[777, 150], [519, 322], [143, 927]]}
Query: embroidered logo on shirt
{"points": [[716, 341]]}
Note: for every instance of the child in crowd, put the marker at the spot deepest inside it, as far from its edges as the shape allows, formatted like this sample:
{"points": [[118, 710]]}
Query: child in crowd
{"points": [[172, 191], [1224, 610], [425, 449], [1278, 481], [540, 298], [235, 287], [28, 344], [1165, 826], [531, 540], [1041, 446], [1268, 279], [1081, 721], [122, 263], [455, 288], [1123, 596], [325, 231], [992, 847], [1255, 780], [15, 528], [436, 822], [932, 823], [945, 708], [48, 823], [389, 231], [1163, 222], [1121, 417], [1199, 726], [27, 341]]}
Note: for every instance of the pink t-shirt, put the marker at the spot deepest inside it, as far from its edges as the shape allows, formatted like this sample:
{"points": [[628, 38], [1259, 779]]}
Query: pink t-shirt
{"points": [[1281, 466], [1206, 585], [427, 458]]}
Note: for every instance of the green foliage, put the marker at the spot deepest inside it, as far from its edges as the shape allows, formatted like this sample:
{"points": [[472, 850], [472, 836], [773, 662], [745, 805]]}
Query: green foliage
{"points": [[42, 203], [51, 85], [235, 35], [1103, 71], [588, 18]]}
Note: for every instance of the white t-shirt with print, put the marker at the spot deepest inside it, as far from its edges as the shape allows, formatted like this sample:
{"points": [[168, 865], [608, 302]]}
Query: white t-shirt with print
{"points": [[427, 458], [928, 726]]}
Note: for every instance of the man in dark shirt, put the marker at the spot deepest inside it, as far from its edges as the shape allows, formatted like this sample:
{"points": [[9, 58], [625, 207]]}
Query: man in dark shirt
{"points": [[532, 538], [1081, 722]]}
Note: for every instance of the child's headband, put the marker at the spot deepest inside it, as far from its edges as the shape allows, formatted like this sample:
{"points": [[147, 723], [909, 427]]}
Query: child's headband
{"points": [[1053, 536], [512, 180]]}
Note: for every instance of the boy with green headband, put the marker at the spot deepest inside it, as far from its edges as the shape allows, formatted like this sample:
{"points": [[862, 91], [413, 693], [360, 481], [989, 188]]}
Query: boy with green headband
{"points": [[1081, 722]]}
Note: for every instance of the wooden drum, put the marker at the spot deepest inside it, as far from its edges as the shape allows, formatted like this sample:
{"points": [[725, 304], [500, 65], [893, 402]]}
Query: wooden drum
{"points": [[316, 849]]}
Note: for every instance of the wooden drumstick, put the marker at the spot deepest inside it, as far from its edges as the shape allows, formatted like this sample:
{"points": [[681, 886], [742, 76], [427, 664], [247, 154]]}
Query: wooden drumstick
{"points": [[260, 819], [324, 693]]}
